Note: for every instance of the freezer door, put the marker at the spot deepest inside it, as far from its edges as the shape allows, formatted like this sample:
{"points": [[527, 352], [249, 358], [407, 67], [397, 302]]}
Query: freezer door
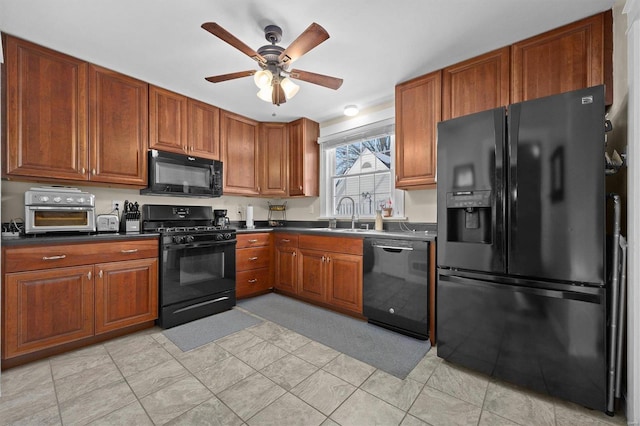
{"points": [[556, 197], [551, 340], [470, 192]]}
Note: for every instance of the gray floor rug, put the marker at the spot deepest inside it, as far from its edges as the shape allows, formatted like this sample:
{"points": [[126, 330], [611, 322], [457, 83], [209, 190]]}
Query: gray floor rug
{"points": [[389, 351], [200, 332]]}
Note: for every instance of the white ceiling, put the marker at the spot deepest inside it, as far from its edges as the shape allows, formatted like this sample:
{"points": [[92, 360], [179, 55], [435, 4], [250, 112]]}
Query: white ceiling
{"points": [[374, 44]]}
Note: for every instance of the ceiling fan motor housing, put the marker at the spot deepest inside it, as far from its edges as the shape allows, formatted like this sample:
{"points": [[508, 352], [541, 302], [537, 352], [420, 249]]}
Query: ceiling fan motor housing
{"points": [[273, 34]]}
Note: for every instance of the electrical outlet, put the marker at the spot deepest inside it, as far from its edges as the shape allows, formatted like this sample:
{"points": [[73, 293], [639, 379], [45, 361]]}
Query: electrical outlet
{"points": [[119, 204], [240, 211]]}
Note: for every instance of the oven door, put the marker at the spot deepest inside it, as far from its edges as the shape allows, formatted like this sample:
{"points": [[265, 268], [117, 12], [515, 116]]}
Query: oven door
{"points": [[41, 219], [196, 270]]}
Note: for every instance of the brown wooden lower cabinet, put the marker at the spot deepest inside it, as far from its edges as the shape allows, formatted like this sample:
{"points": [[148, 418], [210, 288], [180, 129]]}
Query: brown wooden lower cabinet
{"points": [[66, 296], [126, 293], [286, 262], [253, 264]]}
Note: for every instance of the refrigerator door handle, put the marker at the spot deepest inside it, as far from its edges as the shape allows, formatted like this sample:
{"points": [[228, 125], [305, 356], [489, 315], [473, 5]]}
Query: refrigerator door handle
{"points": [[556, 294]]}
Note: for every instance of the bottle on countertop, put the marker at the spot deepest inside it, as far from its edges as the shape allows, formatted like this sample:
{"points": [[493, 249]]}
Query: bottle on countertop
{"points": [[378, 225]]}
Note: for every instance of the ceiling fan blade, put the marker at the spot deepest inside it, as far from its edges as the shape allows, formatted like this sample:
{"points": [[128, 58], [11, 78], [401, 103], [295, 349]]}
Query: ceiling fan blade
{"points": [[277, 95], [310, 38], [319, 79], [231, 76], [226, 36]]}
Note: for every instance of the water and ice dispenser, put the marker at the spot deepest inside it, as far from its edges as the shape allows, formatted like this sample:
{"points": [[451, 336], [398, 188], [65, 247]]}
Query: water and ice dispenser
{"points": [[469, 216]]}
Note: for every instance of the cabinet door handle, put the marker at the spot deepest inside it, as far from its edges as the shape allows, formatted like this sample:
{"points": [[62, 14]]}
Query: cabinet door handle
{"points": [[284, 240], [300, 187], [84, 171], [328, 259], [93, 172], [62, 256], [100, 273], [253, 241], [294, 254], [252, 281], [253, 258], [323, 259], [129, 251], [89, 275]]}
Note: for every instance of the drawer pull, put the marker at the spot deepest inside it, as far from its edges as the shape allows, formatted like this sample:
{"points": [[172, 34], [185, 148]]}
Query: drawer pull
{"points": [[252, 281], [284, 240], [253, 241], [253, 258], [62, 256], [129, 251]]}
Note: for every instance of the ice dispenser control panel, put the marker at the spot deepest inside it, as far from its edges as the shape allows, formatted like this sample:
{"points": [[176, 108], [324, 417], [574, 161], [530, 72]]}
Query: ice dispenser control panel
{"points": [[466, 199]]}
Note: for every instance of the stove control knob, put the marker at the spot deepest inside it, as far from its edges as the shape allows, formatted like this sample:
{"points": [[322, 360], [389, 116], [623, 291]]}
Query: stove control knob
{"points": [[219, 237], [178, 239], [227, 236], [189, 238]]}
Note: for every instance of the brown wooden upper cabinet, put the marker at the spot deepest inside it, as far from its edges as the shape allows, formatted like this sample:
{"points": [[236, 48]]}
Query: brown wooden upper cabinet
{"points": [[304, 158], [274, 145], [47, 110], [239, 151], [203, 135], [71, 121], [568, 58], [167, 120], [478, 84], [418, 110], [118, 127]]}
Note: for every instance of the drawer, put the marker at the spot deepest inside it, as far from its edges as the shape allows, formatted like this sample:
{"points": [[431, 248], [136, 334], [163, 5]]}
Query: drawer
{"points": [[34, 257], [253, 240], [252, 258], [332, 244], [285, 240], [251, 282]]}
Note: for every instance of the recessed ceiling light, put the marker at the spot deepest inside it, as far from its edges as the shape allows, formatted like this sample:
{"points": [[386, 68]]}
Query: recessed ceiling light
{"points": [[351, 110]]}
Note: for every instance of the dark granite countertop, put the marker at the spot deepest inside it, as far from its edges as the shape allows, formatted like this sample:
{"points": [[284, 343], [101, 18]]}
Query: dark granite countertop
{"points": [[420, 235], [73, 238]]}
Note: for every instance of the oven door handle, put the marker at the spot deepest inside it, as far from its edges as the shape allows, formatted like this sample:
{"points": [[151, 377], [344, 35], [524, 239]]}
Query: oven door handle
{"points": [[74, 208], [199, 245]]}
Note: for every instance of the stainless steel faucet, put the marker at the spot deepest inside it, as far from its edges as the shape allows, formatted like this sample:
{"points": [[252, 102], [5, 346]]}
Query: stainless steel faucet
{"points": [[354, 218]]}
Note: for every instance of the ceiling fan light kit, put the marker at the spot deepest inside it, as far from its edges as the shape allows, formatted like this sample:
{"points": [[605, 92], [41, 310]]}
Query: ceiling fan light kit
{"points": [[274, 78]]}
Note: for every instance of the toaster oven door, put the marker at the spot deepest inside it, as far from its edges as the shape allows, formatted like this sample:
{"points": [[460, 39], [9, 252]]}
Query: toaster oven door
{"points": [[41, 219]]}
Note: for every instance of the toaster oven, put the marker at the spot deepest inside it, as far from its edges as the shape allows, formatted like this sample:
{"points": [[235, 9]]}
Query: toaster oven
{"points": [[58, 209]]}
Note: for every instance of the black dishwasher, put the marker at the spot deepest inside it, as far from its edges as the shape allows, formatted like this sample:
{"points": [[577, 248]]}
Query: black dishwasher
{"points": [[396, 285]]}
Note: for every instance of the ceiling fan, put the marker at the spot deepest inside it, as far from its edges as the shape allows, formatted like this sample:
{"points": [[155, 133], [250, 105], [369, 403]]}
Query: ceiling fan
{"points": [[274, 77]]}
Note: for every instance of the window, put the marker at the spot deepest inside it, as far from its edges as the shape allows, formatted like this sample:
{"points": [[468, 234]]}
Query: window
{"points": [[360, 168]]}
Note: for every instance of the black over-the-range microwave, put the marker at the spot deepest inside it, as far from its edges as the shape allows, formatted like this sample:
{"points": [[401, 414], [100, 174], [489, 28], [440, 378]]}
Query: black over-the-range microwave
{"points": [[183, 175]]}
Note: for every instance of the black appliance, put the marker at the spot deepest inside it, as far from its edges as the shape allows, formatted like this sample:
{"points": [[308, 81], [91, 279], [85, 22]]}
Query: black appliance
{"points": [[197, 262], [183, 175], [395, 282], [220, 218], [521, 244]]}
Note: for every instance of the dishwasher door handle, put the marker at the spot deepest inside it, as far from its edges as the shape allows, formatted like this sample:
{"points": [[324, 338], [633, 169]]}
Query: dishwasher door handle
{"points": [[392, 248]]}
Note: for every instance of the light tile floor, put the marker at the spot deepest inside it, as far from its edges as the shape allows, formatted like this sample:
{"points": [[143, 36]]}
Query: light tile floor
{"points": [[263, 375]]}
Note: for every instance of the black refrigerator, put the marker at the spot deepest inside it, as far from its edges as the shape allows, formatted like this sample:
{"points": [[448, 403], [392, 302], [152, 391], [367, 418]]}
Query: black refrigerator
{"points": [[521, 291]]}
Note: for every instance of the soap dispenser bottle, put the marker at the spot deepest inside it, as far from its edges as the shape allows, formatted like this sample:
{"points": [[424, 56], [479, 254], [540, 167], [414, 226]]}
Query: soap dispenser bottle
{"points": [[378, 225]]}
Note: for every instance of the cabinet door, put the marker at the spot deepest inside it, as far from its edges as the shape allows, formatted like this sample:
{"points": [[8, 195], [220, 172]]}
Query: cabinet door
{"points": [[286, 274], [417, 114], [304, 158], [46, 308], [203, 138], [475, 85], [344, 281], [239, 150], [126, 293], [274, 143], [311, 274], [46, 120], [572, 57], [167, 120], [118, 127]]}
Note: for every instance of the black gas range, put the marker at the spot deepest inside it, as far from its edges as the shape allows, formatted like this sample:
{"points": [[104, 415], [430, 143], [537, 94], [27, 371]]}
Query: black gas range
{"points": [[197, 264]]}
